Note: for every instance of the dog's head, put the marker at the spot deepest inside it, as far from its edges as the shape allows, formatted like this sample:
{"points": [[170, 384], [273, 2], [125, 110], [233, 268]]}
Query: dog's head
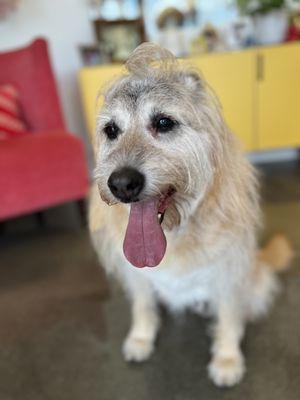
{"points": [[158, 138]]}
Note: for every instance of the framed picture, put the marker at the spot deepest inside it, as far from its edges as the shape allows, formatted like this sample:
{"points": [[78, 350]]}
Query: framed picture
{"points": [[117, 39]]}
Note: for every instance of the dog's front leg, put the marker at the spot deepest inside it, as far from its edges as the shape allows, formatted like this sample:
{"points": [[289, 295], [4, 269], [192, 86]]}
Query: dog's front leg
{"points": [[227, 365], [139, 343]]}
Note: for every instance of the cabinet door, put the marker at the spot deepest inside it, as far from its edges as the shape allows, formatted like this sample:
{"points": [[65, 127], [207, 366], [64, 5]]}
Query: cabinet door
{"points": [[232, 77], [279, 97], [92, 80]]}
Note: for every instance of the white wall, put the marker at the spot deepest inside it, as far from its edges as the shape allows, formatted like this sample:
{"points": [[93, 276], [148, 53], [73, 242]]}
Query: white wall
{"points": [[65, 24]]}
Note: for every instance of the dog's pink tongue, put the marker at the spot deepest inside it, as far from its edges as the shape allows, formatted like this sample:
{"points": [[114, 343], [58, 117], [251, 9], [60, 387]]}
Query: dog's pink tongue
{"points": [[145, 243]]}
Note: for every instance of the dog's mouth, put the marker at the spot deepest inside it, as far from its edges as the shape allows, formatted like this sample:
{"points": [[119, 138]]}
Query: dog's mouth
{"points": [[145, 242]]}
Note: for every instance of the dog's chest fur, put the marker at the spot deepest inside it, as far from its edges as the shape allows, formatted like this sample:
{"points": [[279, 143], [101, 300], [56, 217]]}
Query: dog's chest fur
{"points": [[181, 290], [183, 279]]}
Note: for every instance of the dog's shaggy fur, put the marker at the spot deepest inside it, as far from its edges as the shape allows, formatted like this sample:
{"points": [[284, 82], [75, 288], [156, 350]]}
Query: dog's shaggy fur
{"points": [[212, 262]]}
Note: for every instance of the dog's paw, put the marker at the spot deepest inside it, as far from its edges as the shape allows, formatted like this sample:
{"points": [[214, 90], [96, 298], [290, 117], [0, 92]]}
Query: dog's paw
{"points": [[137, 350], [226, 371]]}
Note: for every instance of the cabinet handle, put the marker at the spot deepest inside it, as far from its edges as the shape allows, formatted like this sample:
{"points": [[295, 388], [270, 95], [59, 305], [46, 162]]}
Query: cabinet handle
{"points": [[260, 61]]}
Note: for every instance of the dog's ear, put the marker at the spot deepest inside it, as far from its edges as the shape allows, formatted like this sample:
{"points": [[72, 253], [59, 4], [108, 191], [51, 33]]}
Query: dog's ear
{"points": [[192, 80]]}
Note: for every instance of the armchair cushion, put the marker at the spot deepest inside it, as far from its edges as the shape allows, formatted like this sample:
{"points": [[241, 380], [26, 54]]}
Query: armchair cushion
{"points": [[42, 170]]}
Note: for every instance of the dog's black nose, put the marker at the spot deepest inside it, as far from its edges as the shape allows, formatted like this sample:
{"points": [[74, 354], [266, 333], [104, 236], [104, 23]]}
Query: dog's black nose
{"points": [[126, 184]]}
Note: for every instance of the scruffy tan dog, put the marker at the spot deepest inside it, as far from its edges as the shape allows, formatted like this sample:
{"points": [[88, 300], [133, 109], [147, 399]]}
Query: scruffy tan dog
{"points": [[163, 147]]}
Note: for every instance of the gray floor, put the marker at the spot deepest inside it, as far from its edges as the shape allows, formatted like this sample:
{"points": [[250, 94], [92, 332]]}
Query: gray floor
{"points": [[61, 331]]}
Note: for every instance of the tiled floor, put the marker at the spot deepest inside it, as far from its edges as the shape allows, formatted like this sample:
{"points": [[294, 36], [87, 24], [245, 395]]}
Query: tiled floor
{"points": [[61, 333]]}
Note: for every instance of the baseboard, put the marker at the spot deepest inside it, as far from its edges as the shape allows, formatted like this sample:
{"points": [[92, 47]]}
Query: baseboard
{"points": [[273, 156]]}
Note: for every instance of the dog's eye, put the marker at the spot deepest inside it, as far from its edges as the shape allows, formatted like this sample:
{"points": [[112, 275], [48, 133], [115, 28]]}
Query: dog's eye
{"points": [[164, 124], [111, 130]]}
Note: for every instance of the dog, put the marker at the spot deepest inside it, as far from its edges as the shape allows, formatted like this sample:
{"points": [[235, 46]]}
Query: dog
{"points": [[180, 212]]}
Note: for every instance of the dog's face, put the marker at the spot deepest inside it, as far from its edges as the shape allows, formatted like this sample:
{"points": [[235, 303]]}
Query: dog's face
{"points": [[155, 141]]}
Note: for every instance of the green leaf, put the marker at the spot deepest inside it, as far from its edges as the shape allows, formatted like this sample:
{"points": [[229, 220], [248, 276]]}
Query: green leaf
{"points": [[260, 6]]}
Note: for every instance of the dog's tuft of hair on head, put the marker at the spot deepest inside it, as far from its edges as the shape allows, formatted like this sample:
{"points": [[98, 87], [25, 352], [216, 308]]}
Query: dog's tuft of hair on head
{"points": [[149, 56], [150, 59]]}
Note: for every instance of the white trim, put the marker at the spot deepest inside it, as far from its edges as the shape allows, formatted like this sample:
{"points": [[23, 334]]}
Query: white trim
{"points": [[273, 155]]}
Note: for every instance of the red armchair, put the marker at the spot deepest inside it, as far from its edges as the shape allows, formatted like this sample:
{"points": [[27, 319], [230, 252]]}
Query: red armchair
{"points": [[48, 166]]}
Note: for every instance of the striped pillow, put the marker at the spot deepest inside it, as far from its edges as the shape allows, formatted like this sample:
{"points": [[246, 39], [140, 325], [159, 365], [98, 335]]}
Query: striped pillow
{"points": [[11, 123]]}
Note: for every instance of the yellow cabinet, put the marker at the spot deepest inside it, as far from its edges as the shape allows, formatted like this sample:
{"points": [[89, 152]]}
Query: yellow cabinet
{"points": [[232, 77], [93, 80], [278, 97], [259, 90]]}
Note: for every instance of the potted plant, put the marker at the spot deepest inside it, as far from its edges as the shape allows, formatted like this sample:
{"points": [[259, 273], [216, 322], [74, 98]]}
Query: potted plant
{"points": [[270, 18]]}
